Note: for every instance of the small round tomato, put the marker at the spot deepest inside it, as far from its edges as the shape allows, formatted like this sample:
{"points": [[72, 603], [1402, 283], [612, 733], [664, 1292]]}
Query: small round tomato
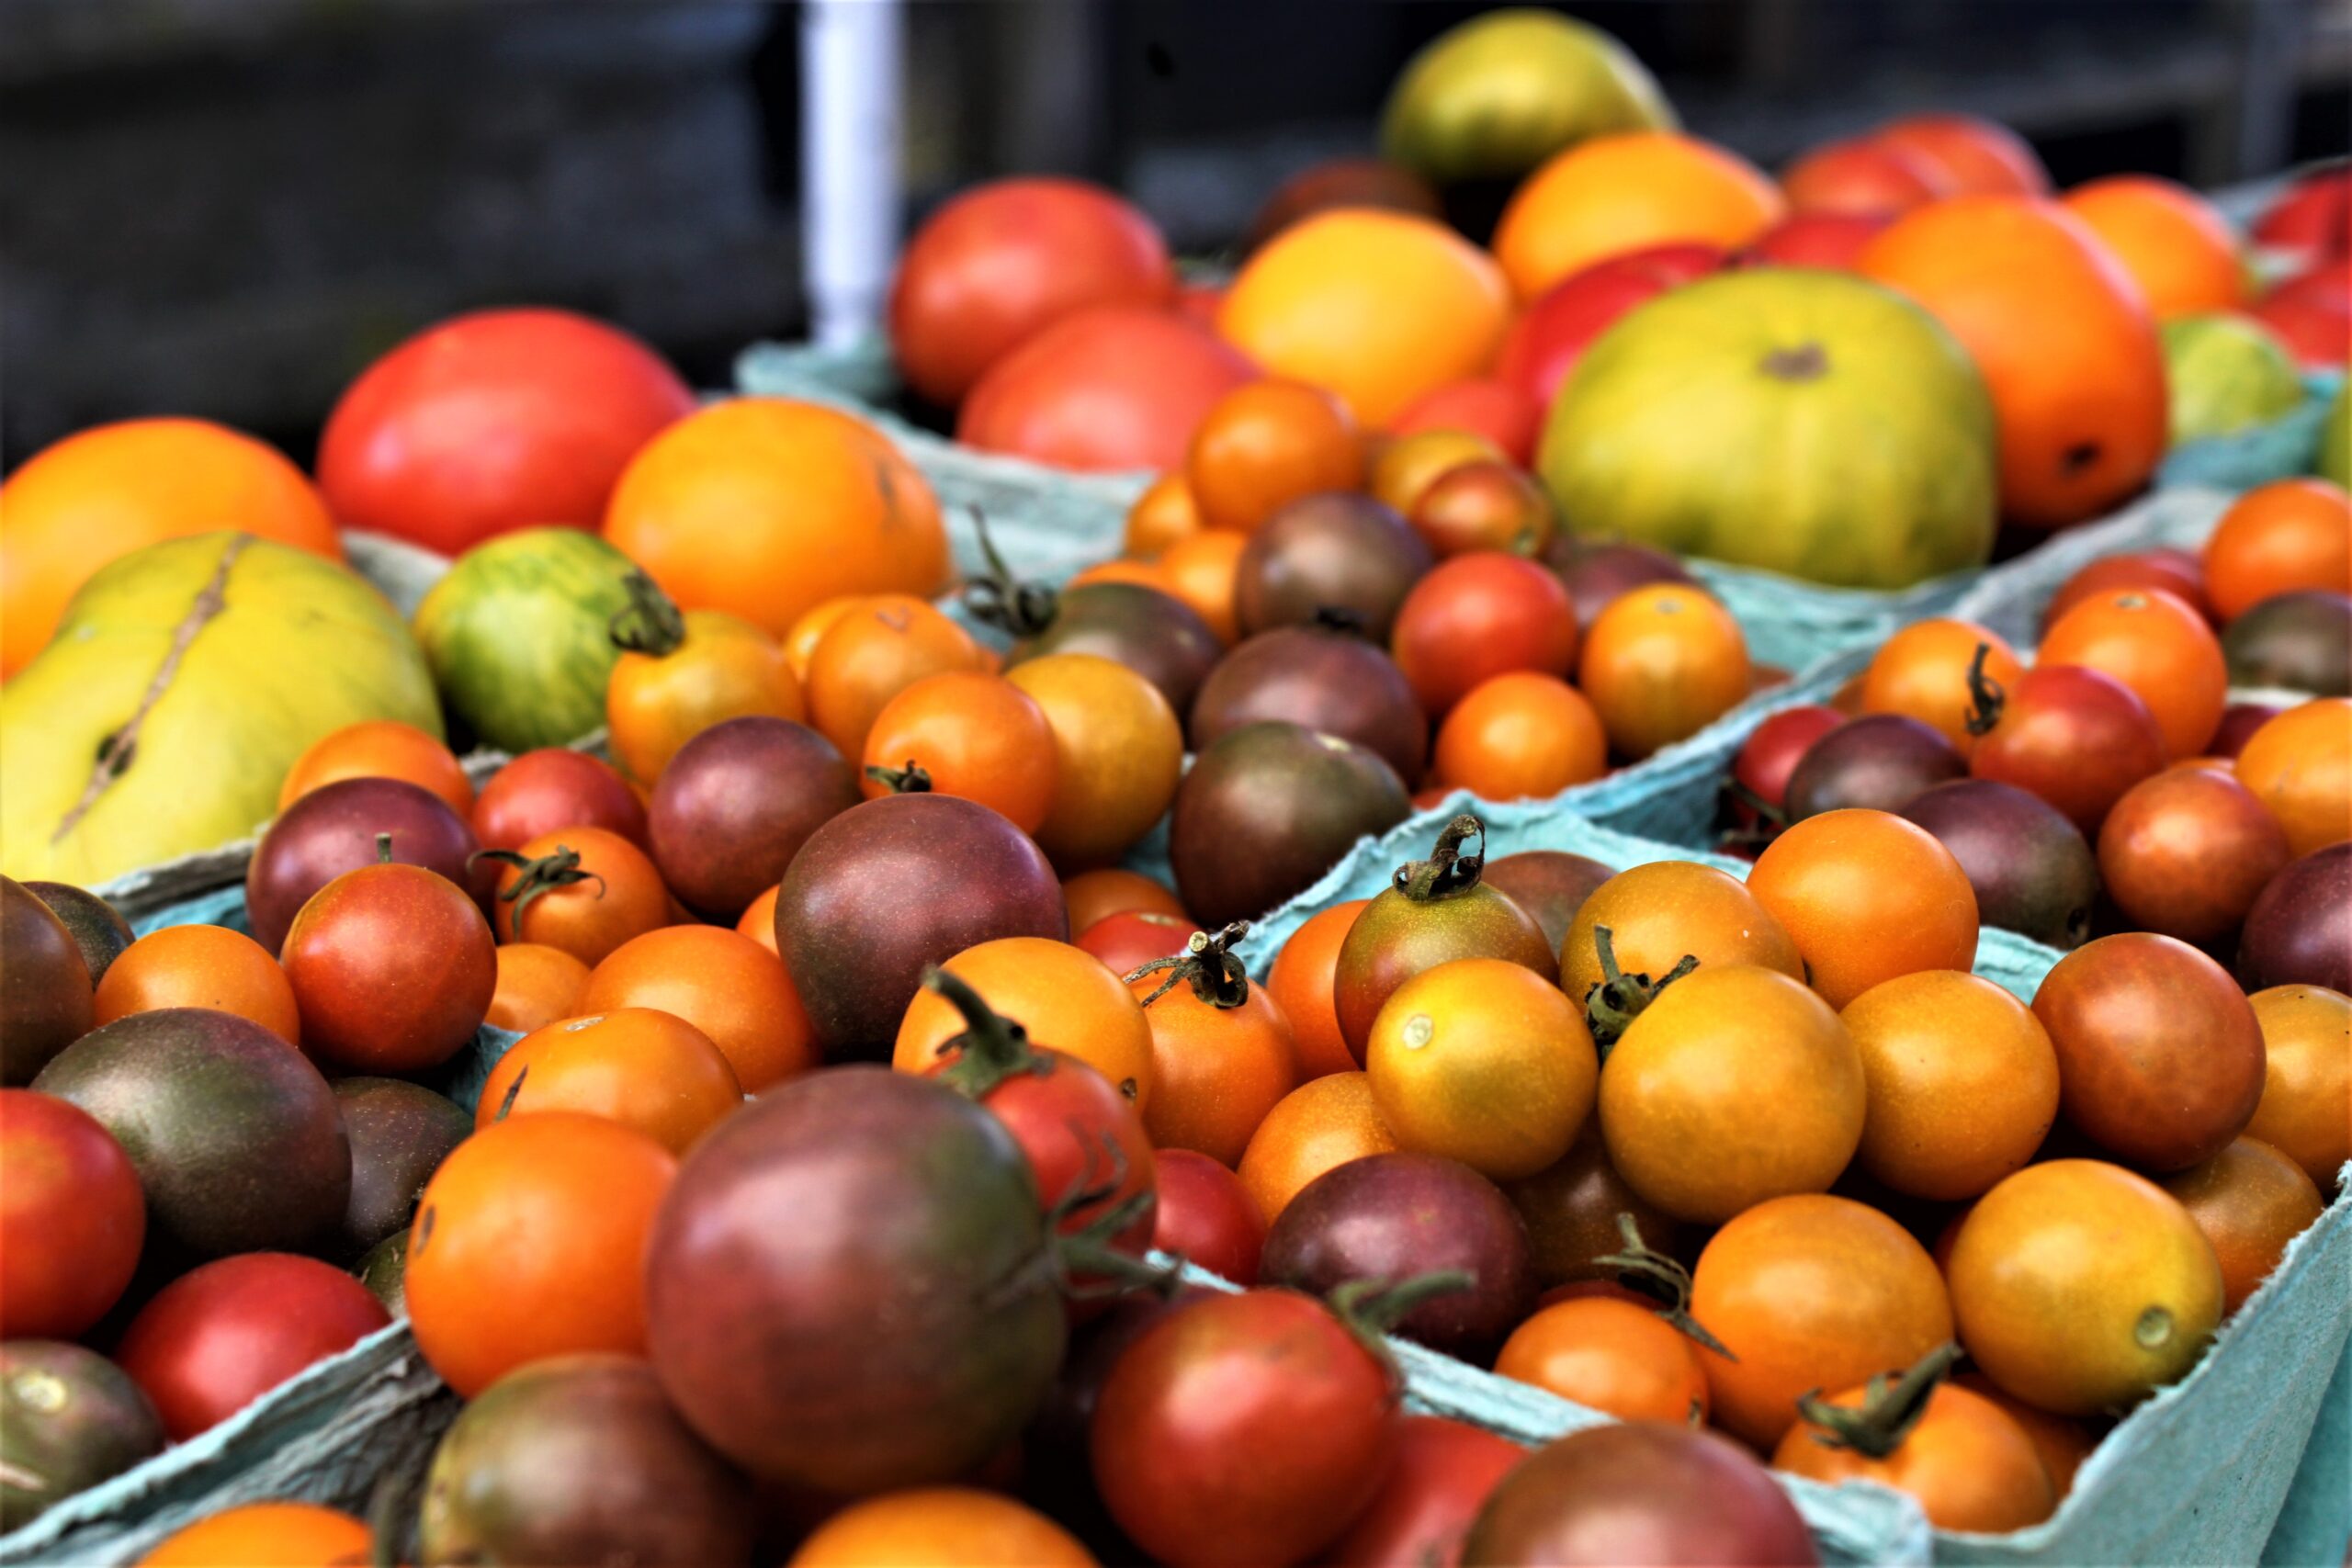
{"points": [[970, 734], [939, 1524], [645, 1069], [1264, 445], [1441, 1475], [801, 638], [730, 987], [1928, 671], [72, 1218], [1480, 615], [2250, 1201], [1810, 1293], [1608, 1356], [530, 1242], [254, 1533], [866, 659], [1320, 1124], [1770, 754], [542, 791], [200, 966], [1206, 1216], [2061, 1442], [1093, 896], [379, 748], [1058, 993], [2076, 737], [1961, 1080], [1520, 735], [221, 1336], [1202, 571], [1404, 470], [1572, 1210], [537, 986], [1660, 664], [1162, 515], [1656, 915], [1867, 895], [2176, 572], [2186, 852], [1301, 982], [1221, 1055], [680, 672], [393, 968], [1485, 505], [1126, 941], [758, 920], [1969, 1465], [2300, 766], [582, 889], [2276, 538], [2080, 1288], [2159, 648], [1118, 753], [2160, 1060], [1746, 1064], [2307, 1081]]}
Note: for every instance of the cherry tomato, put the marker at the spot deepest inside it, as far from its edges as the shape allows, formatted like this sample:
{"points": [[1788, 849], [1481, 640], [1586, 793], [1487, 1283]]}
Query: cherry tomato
{"points": [[1132, 938], [582, 889], [1867, 896], [645, 1069], [1207, 1216], [2076, 737], [1443, 1474], [1480, 615], [1962, 1078], [219, 1338], [1967, 1462], [1924, 672], [2307, 1081], [72, 1218], [1262, 446], [1661, 663], [2158, 647], [1320, 1125], [1608, 1356], [393, 968], [2184, 853], [2250, 1201], [542, 791], [1772, 753]]}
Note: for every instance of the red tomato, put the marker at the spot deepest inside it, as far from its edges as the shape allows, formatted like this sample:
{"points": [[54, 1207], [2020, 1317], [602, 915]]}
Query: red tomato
{"points": [[1114, 387], [1247, 1428], [2312, 218], [216, 1338], [1441, 1475], [2075, 737], [2313, 314], [1478, 615], [1544, 343], [72, 1217], [494, 420], [1773, 753], [394, 968], [1003, 261], [1502, 411], [1830, 240], [551, 789], [1207, 1216], [1129, 940]]}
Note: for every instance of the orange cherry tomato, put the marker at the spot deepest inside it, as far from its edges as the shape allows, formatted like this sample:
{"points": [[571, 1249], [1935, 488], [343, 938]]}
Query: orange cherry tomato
{"points": [[939, 1526], [1407, 465], [1322, 1124], [1661, 663], [2278, 537], [1143, 573], [1300, 979], [1867, 896], [2299, 765], [725, 983], [680, 672], [530, 1242], [2156, 646], [1608, 1356], [1809, 1292], [2186, 854], [1219, 1065], [1094, 896], [266, 1535], [800, 642], [1118, 753], [1061, 995], [758, 920], [2062, 1444], [1970, 1466], [1520, 735], [1924, 672], [380, 748], [976, 736], [200, 966], [1264, 445], [2250, 1201], [1162, 515], [2307, 1078], [872, 653], [1961, 1079], [1660, 913], [536, 985], [650, 1070], [581, 889], [1201, 570]]}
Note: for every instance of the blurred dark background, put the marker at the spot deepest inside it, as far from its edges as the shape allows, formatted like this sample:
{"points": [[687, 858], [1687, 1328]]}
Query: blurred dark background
{"points": [[227, 207]]}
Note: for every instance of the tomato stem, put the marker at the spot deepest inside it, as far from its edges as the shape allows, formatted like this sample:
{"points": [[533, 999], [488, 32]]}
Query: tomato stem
{"points": [[1985, 698], [991, 1049], [1652, 1273], [1448, 872], [383, 849], [1208, 964], [651, 623], [1093, 1249], [1888, 1412], [912, 779], [1004, 600], [1369, 1308], [1617, 998], [543, 875], [513, 1093]]}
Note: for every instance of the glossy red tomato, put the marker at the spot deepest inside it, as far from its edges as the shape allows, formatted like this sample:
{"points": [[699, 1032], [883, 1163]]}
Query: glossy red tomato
{"points": [[72, 1217], [1243, 1430], [1108, 388], [1831, 240], [1441, 1475], [2075, 737], [548, 790], [1132, 938], [393, 967], [1207, 1216], [494, 420], [216, 1338], [1480, 615], [1003, 261], [1772, 753], [1544, 343]]}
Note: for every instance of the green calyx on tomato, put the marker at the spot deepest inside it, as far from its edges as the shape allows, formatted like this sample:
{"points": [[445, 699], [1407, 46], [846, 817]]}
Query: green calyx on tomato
{"points": [[1000, 600], [912, 779], [991, 1049], [1654, 1274], [1618, 999], [544, 875], [1369, 1308], [1888, 1411], [651, 623], [1207, 964], [1448, 872]]}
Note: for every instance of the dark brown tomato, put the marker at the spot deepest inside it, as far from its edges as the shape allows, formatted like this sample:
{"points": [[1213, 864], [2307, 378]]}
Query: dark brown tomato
{"points": [[2186, 854], [2250, 1201], [736, 804], [236, 1138], [1879, 763], [1155, 635], [1639, 1491], [2076, 737], [1441, 1476], [69, 1419], [551, 789], [2300, 641], [1267, 810], [97, 929], [399, 1134], [2160, 1059], [1332, 682], [2032, 871], [1338, 554], [580, 1458], [2239, 721], [1391, 1216], [1571, 1211], [1550, 884], [894, 886], [1770, 754], [333, 830], [47, 1001], [1596, 574], [393, 967], [2299, 930]]}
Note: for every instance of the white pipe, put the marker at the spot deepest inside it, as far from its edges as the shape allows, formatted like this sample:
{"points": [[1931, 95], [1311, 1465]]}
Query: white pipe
{"points": [[850, 81]]}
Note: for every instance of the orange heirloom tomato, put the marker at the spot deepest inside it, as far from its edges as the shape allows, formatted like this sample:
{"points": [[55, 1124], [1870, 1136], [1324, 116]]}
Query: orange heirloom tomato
{"points": [[1661, 663], [200, 966], [536, 985], [733, 988], [1061, 995], [2299, 765], [1118, 753], [644, 1069], [1867, 895], [2156, 646], [1967, 1462], [1300, 979], [1221, 1058], [1810, 1293], [380, 748], [1324, 1123], [880, 648], [2276, 538], [1747, 1065], [2250, 1201], [1924, 672], [1520, 735], [1162, 516], [266, 1535], [1961, 1080], [581, 889], [679, 673], [2307, 1078], [973, 735], [940, 1527], [1660, 913], [1265, 444], [1610, 1356]]}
